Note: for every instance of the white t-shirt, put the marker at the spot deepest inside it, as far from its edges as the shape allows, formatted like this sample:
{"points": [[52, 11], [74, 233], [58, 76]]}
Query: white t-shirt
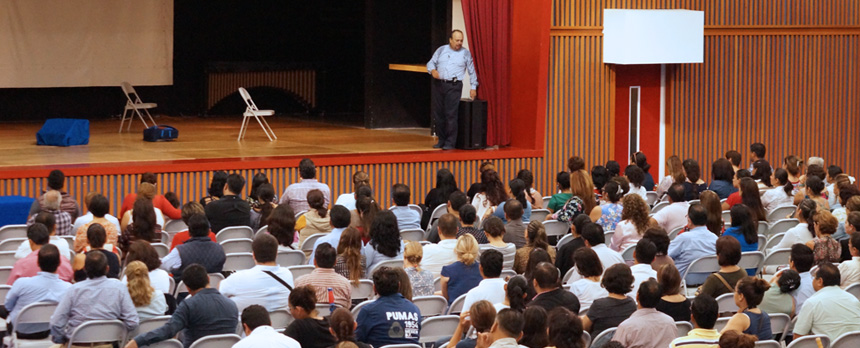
{"points": [[672, 216], [88, 217], [492, 290], [159, 279], [254, 286], [266, 336], [641, 273], [439, 255], [775, 198], [347, 200], [61, 244], [796, 234], [587, 291]]}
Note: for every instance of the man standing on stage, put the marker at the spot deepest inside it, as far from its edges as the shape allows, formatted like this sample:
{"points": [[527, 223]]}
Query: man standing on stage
{"points": [[448, 67]]}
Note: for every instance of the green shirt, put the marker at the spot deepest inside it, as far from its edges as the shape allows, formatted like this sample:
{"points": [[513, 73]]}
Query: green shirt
{"points": [[557, 201], [775, 301]]}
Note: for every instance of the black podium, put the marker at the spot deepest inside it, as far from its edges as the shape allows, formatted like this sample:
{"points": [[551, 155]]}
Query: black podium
{"points": [[472, 124]]}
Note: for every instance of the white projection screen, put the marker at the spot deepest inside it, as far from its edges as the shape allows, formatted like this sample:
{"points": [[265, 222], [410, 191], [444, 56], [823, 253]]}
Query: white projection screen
{"points": [[80, 43]]}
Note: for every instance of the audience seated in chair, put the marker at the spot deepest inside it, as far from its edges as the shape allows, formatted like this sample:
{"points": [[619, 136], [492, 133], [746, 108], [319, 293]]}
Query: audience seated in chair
{"points": [[587, 288], [385, 242], [188, 210], [672, 216], [461, 276], [535, 235], [205, 312], [158, 201], [704, 316], [46, 286], [309, 328], [456, 201], [390, 313], [831, 311], [259, 331], [515, 224], [505, 332], [564, 329], [148, 301], [339, 221], [647, 327], [96, 237], [491, 288], [144, 252], [347, 200], [467, 215], [317, 219], [549, 293], [609, 312], [197, 250], [146, 192], [594, 238], [50, 221], [343, 328], [494, 229], [442, 253], [56, 182], [230, 210], [480, 316], [724, 280], [98, 207], [37, 235], [420, 279], [261, 284], [750, 319], [144, 226], [695, 243], [323, 278], [673, 302], [51, 205], [407, 218], [296, 194]]}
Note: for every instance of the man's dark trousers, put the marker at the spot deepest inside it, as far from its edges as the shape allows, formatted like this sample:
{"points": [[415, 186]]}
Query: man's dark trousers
{"points": [[445, 108]]}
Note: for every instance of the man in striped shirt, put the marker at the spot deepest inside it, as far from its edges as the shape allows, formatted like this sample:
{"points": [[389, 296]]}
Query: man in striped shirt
{"points": [[704, 312]]}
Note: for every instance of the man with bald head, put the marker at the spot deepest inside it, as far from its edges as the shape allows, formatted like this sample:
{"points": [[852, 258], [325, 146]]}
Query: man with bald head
{"points": [[448, 67], [549, 292]]}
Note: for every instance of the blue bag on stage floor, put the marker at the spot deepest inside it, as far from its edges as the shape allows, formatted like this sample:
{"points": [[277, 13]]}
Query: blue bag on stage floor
{"points": [[64, 132], [160, 133]]}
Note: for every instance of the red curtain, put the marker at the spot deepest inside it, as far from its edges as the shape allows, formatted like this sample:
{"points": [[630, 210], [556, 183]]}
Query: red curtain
{"points": [[488, 29]]}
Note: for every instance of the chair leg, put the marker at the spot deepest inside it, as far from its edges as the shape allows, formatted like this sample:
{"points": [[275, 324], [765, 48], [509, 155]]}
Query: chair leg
{"points": [[264, 127], [122, 120], [242, 129], [140, 115], [270, 129], [150, 117]]}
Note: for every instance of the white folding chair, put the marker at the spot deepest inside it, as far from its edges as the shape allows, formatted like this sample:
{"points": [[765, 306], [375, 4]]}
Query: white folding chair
{"points": [[162, 249], [457, 305], [240, 245], [7, 258], [387, 263], [215, 279], [658, 208], [555, 228], [703, 265], [252, 111], [11, 244], [415, 234], [234, 232], [773, 240], [262, 230], [93, 331], [847, 340], [776, 257], [217, 341], [683, 327], [308, 244], [174, 226], [546, 200], [780, 213], [564, 240], [627, 253], [4, 289], [358, 308], [507, 273], [239, 261], [726, 303], [603, 337], [810, 341], [324, 309], [430, 306], [418, 209], [440, 210], [133, 105], [854, 289], [768, 344], [280, 318], [781, 226], [435, 328], [727, 216], [607, 236], [5, 273], [172, 288], [762, 241], [651, 197], [569, 274], [38, 313], [300, 270], [675, 232], [149, 325], [13, 231], [287, 258], [539, 214], [779, 324], [721, 323], [363, 290], [751, 260]]}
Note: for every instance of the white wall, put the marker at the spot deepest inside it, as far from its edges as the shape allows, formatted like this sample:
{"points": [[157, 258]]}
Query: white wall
{"points": [[459, 22]]}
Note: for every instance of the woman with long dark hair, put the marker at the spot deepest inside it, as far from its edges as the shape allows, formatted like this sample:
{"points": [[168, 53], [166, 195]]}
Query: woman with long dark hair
{"points": [[723, 173], [534, 197], [761, 174], [564, 329], [492, 196], [534, 330], [256, 181], [694, 185], [350, 262], [385, 243], [263, 206], [638, 159], [535, 239], [802, 232], [518, 192], [445, 185], [744, 228], [342, 326], [282, 224], [779, 195], [216, 188]]}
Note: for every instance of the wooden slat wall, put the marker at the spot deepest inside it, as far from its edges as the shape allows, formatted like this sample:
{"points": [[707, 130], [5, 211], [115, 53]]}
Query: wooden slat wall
{"points": [[301, 82]]}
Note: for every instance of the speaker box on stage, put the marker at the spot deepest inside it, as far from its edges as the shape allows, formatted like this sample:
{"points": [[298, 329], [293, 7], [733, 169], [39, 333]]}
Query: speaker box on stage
{"points": [[472, 124], [64, 132]]}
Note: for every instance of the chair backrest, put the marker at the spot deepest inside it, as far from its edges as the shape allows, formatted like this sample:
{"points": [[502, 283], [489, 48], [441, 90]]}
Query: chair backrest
{"points": [[627, 253], [324, 309], [5, 273], [37, 312], [854, 289], [7, 258], [768, 344], [762, 227], [762, 241], [781, 226], [779, 324], [607, 236], [507, 273], [603, 337], [247, 98], [308, 243], [217, 341], [162, 249], [435, 328], [546, 200], [363, 290], [417, 209], [751, 260], [773, 240], [727, 216], [11, 244], [165, 238], [300, 270], [149, 325], [4, 289], [128, 90], [847, 340], [239, 261], [13, 231], [174, 226], [555, 228], [92, 331], [386, 263], [683, 327], [241, 245], [726, 303], [568, 275], [457, 305], [705, 264], [658, 208], [280, 318], [415, 234], [783, 212], [810, 341], [564, 240], [651, 197], [358, 307], [437, 284], [215, 279], [539, 214], [721, 323], [675, 232], [440, 210], [430, 306], [777, 257], [261, 230], [234, 232], [287, 258]]}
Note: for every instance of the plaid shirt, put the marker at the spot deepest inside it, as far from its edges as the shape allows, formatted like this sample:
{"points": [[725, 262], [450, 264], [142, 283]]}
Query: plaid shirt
{"points": [[296, 195], [323, 278], [63, 222]]}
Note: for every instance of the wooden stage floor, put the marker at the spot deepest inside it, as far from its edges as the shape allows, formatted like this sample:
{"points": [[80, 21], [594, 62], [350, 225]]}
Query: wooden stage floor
{"points": [[205, 138]]}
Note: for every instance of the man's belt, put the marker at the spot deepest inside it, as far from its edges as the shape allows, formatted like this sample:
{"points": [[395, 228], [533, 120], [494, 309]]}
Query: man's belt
{"points": [[452, 81]]}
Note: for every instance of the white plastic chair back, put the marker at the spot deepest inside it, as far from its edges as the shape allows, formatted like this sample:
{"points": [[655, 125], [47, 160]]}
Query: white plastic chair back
{"points": [[5, 273], [658, 208], [440, 210], [300, 270], [555, 228], [174, 226], [507, 273], [773, 240], [387, 263], [780, 213], [234, 232], [706, 264], [7, 258], [165, 238], [762, 227], [781, 226], [417, 209], [568, 275], [93, 331], [172, 285], [539, 214], [810, 341], [217, 341], [171, 343], [854, 289], [847, 340], [4, 289], [564, 240], [162, 249], [674, 233], [779, 324], [437, 284], [239, 261], [762, 241], [215, 279], [727, 216], [308, 243], [324, 309], [583, 310], [726, 303], [262, 230], [35, 313], [281, 319], [721, 323], [149, 325], [651, 197], [683, 327], [358, 308], [752, 260], [457, 305], [586, 339], [11, 244], [627, 253], [546, 200], [287, 258], [242, 245], [430, 306], [13, 231], [416, 234], [767, 344], [607, 236], [603, 337], [777, 257], [363, 290], [435, 328]]}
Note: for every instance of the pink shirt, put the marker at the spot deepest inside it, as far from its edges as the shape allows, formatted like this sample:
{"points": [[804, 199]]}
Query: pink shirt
{"points": [[672, 216], [646, 328], [625, 235], [29, 267]]}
